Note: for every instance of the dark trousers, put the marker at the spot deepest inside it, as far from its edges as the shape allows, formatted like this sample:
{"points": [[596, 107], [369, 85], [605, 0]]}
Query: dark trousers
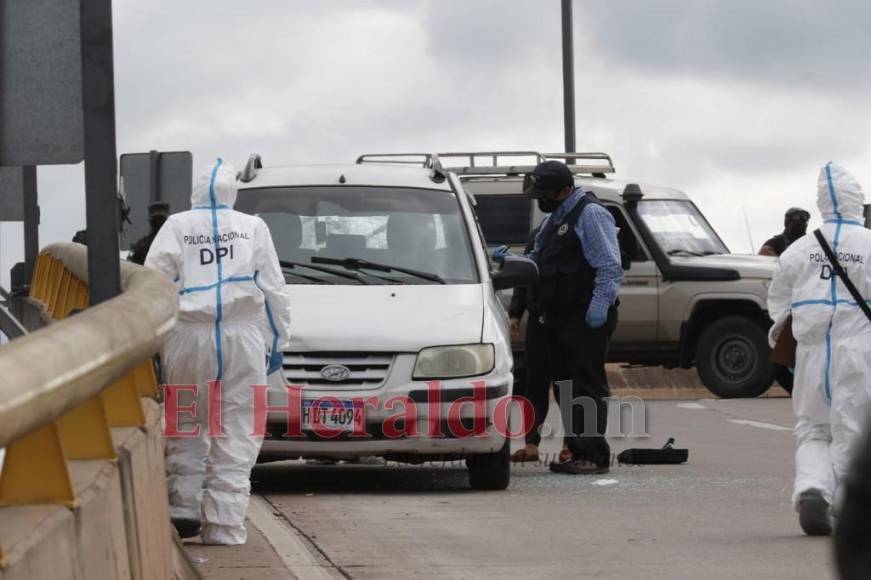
{"points": [[578, 351], [539, 375]]}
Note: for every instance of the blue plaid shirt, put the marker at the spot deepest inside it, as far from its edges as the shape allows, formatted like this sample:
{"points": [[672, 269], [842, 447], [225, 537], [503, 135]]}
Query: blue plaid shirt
{"points": [[598, 234]]}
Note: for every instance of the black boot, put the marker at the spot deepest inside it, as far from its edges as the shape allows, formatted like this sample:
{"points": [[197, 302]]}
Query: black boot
{"points": [[814, 513], [186, 527]]}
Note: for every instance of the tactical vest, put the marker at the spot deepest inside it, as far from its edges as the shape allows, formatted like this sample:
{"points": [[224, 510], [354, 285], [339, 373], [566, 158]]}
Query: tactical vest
{"points": [[566, 279]]}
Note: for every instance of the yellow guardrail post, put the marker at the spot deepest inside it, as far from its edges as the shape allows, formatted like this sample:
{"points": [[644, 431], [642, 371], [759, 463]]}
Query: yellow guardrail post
{"points": [[123, 406], [35, 471], [85, 432], [146, 380]]}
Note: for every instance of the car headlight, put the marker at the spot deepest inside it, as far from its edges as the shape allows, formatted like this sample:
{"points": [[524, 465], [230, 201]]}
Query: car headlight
{"points": [[452, 362]]}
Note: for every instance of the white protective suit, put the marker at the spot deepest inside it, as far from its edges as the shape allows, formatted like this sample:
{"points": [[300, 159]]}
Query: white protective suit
{"points": [[833, 359], [233, 309]]}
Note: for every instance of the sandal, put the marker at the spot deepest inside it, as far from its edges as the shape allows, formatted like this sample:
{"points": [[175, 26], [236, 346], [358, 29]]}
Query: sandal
{"points": [[565, 455], [524, 456]]}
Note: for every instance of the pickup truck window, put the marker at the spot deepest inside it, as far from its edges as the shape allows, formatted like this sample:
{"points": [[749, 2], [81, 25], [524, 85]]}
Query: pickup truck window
{"points": [[630, 249], [504, 219]]}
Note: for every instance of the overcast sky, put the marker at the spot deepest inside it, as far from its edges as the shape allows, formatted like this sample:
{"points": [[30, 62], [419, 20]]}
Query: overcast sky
{"points": [[738, 103]]}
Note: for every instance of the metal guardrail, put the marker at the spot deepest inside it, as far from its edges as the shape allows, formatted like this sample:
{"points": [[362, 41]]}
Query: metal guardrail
{"points": [[64, 385]]}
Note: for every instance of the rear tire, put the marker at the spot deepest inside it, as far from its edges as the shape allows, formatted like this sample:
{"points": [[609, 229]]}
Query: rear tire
{"points": [[490, 471], [732, 358]]}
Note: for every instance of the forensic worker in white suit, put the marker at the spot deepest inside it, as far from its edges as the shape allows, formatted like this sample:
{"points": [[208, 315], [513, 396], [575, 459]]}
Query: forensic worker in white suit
{"points": [[234, 316], [833, 358]]}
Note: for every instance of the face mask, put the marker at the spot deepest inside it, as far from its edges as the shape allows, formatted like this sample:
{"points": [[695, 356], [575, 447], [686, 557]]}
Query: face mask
{"points": [[797, 229], [157, 221], [547, 205]]}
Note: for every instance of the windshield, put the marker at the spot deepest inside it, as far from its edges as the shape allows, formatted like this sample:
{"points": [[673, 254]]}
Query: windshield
{"points": [[420, 231], [680, 228]]}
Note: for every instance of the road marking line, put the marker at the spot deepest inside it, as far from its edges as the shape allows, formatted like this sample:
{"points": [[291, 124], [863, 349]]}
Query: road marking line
{"points": [[293, 552], [691, 406], [605, 482], [769, 426]]}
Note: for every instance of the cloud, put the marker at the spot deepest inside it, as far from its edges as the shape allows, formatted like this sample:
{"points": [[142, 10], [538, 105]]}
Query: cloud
{"points": [[738, 103], [800, 43]]}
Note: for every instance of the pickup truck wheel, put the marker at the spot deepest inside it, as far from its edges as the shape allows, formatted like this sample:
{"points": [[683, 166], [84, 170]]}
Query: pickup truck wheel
{"points": [[490, 470], [732, 358]]}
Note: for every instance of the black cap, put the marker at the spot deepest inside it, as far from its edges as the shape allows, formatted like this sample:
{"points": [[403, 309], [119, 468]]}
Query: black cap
{"points": [[158, 208], [547, 177], [795, 212]]}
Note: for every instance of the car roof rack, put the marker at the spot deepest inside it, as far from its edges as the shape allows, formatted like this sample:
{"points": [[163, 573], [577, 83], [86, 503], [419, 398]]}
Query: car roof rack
{"points": [[426, 160], [250, 172], [489, 163], [484, 163], [605, 163], [471, 162]]}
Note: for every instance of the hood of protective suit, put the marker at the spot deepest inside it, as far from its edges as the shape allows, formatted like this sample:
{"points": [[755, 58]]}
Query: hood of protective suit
{"points": [[839, 195], [216, 184]]}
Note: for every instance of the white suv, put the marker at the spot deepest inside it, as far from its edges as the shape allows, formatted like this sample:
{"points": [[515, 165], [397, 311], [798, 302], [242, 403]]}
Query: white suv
{"points": [[400, 345]]}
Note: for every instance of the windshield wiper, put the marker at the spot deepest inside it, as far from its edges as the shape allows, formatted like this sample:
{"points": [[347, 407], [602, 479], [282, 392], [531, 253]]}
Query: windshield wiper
{"points": [[286, 271], [357, 264], [333, 271], [681, 251]]}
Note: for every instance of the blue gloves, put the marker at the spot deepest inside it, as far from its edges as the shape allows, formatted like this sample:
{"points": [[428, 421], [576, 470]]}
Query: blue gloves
{"points": [[274, 362], [500, 253], [596, 317]]}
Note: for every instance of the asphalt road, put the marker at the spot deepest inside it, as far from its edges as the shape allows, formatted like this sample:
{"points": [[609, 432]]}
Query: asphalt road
{"points": [[724, 514]]}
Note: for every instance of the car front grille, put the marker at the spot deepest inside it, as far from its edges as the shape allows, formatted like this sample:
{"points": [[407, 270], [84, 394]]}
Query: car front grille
{"points": [[364, 370]]}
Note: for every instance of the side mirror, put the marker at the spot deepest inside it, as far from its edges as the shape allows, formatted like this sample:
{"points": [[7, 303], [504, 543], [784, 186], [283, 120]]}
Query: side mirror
{"points": [[515, 271]]}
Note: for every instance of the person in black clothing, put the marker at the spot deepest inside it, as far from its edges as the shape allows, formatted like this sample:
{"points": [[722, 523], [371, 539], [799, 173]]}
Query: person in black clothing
{"points": [[580, 273], [157, 214], [794, 226], [538, 379]]}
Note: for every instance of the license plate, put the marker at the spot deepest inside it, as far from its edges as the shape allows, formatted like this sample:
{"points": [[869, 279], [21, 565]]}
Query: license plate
{"points": [[332, 415]]}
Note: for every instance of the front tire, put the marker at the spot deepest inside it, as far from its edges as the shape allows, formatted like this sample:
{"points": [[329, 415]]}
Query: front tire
{"points": [[732, 358], [490, 471]]}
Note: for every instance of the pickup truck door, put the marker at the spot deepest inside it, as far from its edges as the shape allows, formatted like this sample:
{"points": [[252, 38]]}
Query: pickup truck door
{"points": [[639, 293]]}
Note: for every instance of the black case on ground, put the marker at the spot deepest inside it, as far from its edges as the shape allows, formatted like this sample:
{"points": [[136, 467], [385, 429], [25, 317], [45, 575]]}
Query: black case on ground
{"points": [[668, 455]]}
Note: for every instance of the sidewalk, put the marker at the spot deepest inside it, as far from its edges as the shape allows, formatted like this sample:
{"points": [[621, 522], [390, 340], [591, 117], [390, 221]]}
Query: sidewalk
{"points": [[256, 560], [275, 550]]}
